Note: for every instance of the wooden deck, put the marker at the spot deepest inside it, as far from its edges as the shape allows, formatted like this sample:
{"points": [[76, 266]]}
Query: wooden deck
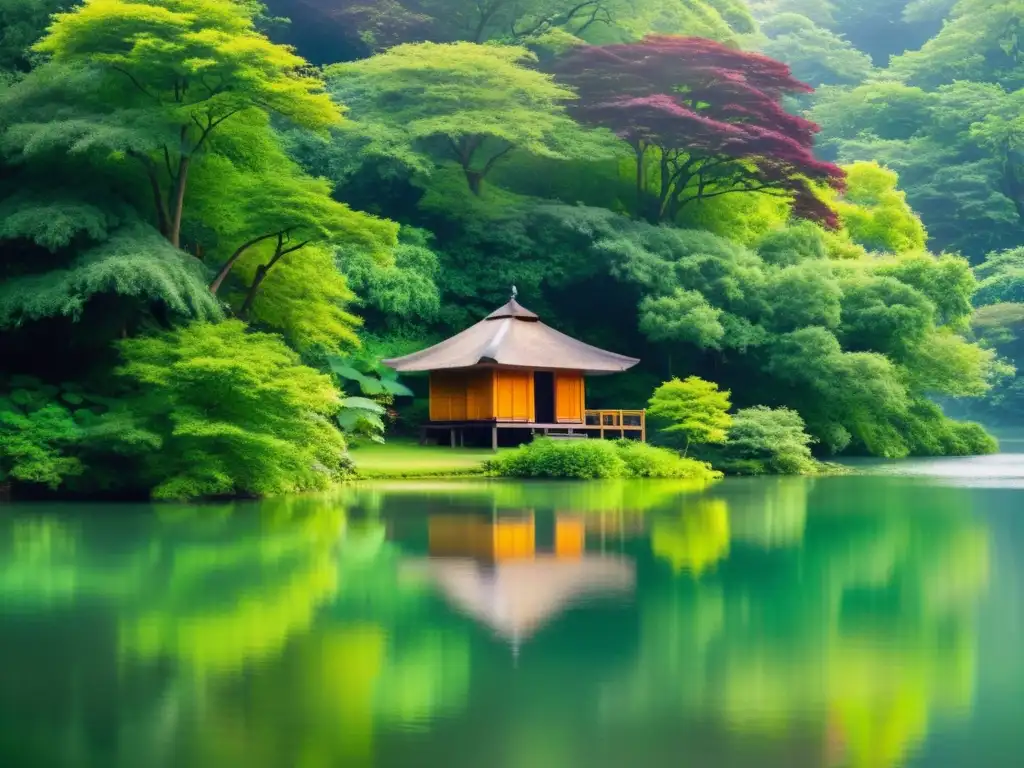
{"points": [[605, 423]]}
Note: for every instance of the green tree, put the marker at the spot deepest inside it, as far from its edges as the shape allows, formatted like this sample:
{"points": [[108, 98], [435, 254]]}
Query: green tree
{"points": [[106, 85], [953, 148], [237, 413], [979, 43], [461, 102], [692, 408]]}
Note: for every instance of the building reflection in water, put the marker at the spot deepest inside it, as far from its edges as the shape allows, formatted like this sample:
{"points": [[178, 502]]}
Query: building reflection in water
{"points": [[492, 569]]}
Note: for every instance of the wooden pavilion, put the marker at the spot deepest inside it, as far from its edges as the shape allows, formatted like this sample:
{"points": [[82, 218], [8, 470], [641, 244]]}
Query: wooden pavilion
{"points": [[511, 371]]}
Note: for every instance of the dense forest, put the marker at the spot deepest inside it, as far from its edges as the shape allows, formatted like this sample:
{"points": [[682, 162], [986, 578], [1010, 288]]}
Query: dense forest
{"points": [[218, 216]]}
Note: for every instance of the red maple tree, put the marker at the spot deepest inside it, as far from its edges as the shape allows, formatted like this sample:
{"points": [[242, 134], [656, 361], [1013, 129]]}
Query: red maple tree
{"points": [[704, 120]]}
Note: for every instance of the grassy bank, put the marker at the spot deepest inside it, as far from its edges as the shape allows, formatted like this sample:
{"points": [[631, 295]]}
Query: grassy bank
{"points": [[404, 458]]}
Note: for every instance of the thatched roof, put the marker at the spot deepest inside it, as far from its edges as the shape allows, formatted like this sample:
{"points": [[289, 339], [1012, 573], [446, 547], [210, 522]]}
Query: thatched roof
{"points": [[513, 336]]}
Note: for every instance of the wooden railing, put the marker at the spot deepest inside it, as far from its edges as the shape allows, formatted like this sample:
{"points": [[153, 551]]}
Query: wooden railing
{"points": [[622, 421]]}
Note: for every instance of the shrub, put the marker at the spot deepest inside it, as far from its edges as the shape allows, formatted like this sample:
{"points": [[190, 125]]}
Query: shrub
{"points": [[773, 439], [575, 459], [644, 460], [236, 413], [36, 431], [597, 460]]}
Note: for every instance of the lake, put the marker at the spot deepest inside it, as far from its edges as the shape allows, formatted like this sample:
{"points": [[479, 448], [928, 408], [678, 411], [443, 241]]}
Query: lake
{"points": [[871, 621]]}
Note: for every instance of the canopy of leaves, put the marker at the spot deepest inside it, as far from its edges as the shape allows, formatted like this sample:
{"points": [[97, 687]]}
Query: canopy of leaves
{"points": [[236, 411], [816, 55], [1001, 278], [772, 439], [875, 213], [105, 85], [382, 24], [22, 23], [707, 119], [979, 43], [135, 264], [853, 346], [957, 177], [693, 409], [462, 102]]}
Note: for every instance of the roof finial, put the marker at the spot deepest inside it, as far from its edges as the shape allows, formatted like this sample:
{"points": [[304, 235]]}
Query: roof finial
{"points": [[515, 292]]}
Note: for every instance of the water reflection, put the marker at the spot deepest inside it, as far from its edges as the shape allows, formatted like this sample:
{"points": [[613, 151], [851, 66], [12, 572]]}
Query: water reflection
{"points": [[490, 569], [780, 622]]}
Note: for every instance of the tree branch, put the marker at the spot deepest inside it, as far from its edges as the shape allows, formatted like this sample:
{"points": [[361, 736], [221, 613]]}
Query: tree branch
{"points": [[226, 268], [163, 218], [137, 84]]}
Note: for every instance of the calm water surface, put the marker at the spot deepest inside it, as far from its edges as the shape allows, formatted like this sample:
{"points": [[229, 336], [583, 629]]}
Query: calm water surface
{"points": [[862, 622]]}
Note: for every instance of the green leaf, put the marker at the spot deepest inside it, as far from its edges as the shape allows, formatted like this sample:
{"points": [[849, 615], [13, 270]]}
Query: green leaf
{"points": [[393, 387], [72, 398], [363, 404], [343, 369], [371, 386], [348, 420]]}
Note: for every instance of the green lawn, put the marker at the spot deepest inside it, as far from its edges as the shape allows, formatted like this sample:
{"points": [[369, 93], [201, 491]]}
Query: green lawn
{"points": [[406, 458]]}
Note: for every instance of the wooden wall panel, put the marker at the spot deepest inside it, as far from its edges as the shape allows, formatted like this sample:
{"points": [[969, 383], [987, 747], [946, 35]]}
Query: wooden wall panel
{"points": [[480, 395], [448, 396], [569, 397], [513, 395], [462, 395]]}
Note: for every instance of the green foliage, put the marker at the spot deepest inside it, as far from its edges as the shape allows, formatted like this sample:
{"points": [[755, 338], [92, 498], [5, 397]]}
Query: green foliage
{"points": [[953, 149], [817, 55], [569, 459], [22, 23], [135, 263], [462, 102], [1000, 327], [771, 440], [106, 87], [648, 461], [237, 413], [401, 292], [362, 416], [37, 429], [875, 213], [979, 43], [693, 409], [597, 460], [1001, 278]]}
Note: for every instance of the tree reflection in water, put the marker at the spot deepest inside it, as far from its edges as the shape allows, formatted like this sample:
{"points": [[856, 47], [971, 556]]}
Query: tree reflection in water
{"points": [[769, 622]]}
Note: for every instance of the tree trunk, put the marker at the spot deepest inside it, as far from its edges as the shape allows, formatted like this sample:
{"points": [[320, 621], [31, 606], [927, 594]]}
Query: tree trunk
{"points": [[475, 180], [250, 297], [641, 150], [178, 203], [163, 220]]}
